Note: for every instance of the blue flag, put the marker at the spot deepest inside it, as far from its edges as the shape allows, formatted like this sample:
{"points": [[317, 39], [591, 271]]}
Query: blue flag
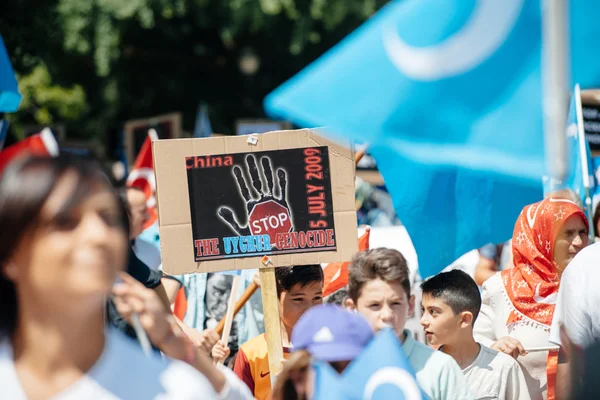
{"points": [[449, 83], [10, 98], [234, 272], [580, 176], [382, 371], [450, 211], [596, 194], [3, 132], [203, 128], [448, 97], [329, 385]]}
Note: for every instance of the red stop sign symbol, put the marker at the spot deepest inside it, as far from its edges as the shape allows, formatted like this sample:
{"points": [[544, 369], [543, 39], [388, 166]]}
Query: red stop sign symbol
{"points": [[269, 218]]}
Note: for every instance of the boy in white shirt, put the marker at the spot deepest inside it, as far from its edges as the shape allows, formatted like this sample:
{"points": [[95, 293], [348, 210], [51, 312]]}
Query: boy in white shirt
{"points": [[379, 289], [451, 303]]}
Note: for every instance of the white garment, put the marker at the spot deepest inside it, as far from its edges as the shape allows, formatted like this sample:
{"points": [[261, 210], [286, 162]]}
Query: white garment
{"points": [[491, 326], [437, 373], [578, 304], [494, 375], [236, 389], [148, 253], [121, 372]]}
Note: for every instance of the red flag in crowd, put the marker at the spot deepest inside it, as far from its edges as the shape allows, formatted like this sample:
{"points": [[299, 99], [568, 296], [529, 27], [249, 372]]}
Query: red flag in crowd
{"points": [[42, 143], [336, 274], [142, 176], [180, 305]]}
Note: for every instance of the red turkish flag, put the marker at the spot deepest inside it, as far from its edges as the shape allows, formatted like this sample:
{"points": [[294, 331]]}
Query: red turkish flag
{"points": [[336, 274], [42, 144], [142, 176]]}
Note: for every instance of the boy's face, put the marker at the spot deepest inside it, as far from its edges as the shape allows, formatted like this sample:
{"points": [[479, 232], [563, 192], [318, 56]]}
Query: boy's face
{"points": [[294, 302], [384, 305], [439, 322]]}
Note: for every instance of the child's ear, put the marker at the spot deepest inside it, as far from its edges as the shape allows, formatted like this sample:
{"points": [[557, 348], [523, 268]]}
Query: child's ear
{"points": [[349, 304], [466, 319], [411, 305]]}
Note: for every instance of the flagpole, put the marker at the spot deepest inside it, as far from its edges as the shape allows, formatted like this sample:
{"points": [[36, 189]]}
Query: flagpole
{"points": [[556, 66]]}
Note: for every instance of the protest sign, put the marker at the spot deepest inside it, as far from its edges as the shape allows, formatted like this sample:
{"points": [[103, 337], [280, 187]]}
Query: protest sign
{"points": [[272, 226], [225, 202]]}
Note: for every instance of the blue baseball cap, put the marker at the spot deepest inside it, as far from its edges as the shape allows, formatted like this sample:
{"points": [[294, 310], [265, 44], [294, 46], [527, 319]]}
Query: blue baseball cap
{"points": [[331, 333]]}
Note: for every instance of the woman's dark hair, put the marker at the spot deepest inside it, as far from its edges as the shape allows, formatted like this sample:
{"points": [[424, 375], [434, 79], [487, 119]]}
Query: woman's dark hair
{"points": [[125, 209], [25, 185], [595, 220]]}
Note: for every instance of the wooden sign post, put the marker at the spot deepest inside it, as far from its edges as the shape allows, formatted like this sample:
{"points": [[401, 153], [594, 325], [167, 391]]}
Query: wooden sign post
{"points": [[268, 288], [226, 202]]}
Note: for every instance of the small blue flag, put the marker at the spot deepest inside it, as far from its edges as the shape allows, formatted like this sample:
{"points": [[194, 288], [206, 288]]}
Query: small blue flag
{"points": [[382, 371], [151, 235], [329, 385], [596, 194], [580, 176], [232, 272], [10, 98], [3, 132], [203, 128], [580, 173]]}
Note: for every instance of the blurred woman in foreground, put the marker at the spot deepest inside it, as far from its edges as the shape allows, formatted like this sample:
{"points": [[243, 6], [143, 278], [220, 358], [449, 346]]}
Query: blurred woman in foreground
{"points": [[62, 241]]}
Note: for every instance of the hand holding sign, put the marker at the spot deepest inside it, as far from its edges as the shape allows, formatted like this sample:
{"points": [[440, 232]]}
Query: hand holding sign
{"points": [[267, 213]]}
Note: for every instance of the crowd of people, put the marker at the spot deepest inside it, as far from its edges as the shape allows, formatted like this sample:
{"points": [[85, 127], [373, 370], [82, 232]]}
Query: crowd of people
{"points": [[76, 287]]}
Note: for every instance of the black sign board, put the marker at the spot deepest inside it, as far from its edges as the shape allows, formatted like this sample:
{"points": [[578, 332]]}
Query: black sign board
{"points": [[591, 123], [271, 202]]}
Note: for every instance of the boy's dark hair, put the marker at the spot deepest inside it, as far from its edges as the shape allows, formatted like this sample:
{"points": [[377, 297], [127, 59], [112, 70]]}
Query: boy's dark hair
{"points": [[286, 277], [388, 265], [457, 289], [338, 297]]}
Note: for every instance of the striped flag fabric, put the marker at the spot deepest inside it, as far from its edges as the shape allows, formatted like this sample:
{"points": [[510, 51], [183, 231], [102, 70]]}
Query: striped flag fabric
{"points": [[142, 177], [336, 274], [43, 144]]}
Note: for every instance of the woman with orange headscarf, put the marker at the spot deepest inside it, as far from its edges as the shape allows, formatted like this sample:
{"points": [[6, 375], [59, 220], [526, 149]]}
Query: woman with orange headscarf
{"points": [[518, 303]]}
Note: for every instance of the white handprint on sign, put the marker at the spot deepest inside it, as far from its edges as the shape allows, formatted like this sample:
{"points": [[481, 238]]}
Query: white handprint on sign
{"points": [[267, 213]]}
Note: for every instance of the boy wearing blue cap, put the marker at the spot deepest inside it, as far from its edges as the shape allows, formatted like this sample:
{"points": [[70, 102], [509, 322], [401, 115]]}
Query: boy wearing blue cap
{"points": [[379, 289]]}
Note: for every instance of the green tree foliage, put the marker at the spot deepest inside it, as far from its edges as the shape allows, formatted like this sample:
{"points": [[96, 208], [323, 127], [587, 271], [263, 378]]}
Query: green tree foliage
{"points": [[95, 63]]}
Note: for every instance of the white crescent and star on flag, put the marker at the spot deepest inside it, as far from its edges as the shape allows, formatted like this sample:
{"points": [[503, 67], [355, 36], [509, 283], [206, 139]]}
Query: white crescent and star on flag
{"points": [[489, 25]]}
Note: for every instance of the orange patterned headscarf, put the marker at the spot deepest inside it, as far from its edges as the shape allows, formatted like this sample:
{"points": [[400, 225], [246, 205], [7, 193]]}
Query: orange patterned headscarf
{"points": [[532, 285]]}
